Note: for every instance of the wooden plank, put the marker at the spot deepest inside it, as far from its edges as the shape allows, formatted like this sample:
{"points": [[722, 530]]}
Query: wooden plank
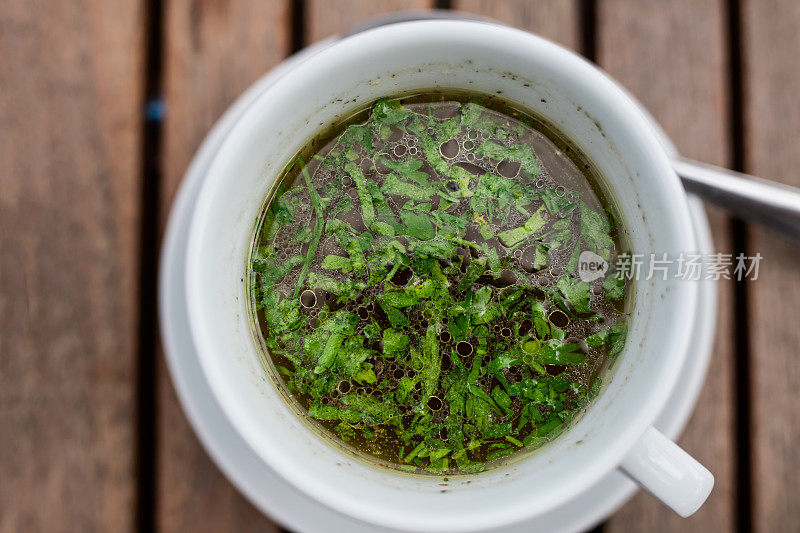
{"points": [[672, 57], [772, 140], [326, 17], [683, 84], [557, 20], [213, 51], [70, 95]]}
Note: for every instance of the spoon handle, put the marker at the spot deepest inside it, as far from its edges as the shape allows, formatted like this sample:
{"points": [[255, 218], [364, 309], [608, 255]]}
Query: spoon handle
{"points": [[774, 205]]}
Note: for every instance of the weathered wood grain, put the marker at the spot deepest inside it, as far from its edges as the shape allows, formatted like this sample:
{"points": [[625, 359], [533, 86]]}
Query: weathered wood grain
{"points": [[671, 55], [690, 104], [213, 51], [683, 84], [772, 121], [70, 91], [333, 17], [557, 20]]}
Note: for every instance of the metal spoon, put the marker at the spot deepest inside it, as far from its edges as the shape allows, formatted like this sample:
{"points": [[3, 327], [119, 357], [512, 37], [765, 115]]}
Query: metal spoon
{"points": [[774, 205]]}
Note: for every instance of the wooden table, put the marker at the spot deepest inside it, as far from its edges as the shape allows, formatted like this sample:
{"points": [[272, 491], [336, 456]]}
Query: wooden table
{"points": [[93, 435]]}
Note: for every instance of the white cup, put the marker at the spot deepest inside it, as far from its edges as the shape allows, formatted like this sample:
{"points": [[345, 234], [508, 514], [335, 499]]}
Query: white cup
{"points": [[615, 432]]}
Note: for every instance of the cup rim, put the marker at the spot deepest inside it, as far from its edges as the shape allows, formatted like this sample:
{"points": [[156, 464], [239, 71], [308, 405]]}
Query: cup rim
{"points": [[438, 29]]}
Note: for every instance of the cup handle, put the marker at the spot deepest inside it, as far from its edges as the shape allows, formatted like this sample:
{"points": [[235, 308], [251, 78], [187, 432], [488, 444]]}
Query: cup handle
{"points": [[671, 475]]}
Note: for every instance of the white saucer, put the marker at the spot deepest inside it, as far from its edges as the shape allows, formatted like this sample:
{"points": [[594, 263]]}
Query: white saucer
{"points": [[277, 497]]}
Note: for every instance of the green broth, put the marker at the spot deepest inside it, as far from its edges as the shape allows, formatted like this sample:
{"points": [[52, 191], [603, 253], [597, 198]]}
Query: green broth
{"points": [[414, 283]]}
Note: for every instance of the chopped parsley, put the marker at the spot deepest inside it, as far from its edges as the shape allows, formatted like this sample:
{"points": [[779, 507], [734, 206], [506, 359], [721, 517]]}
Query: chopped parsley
{"points": [[415, 286]]}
